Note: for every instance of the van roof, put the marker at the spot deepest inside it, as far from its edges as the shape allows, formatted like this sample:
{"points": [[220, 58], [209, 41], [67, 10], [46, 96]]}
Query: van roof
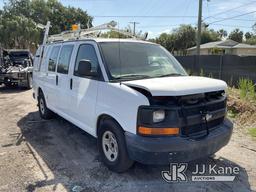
{"points": [[101, 40]]}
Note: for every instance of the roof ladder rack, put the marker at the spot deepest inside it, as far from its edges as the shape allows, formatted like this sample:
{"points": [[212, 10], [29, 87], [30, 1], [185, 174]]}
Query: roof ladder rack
{"points": [[92, 32]]}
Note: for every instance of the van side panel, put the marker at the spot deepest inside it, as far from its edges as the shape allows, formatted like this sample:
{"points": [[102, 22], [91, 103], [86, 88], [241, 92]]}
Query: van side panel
{"points": [[40, 72], [120, 102]]}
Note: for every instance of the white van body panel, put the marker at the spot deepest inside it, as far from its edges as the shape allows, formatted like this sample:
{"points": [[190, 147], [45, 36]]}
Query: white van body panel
{"points": [[178, 86], [121, 102]]}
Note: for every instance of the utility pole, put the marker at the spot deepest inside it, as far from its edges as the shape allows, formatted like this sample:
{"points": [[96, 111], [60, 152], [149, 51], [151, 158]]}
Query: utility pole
{"points": [[199, 26], [134, 27]]}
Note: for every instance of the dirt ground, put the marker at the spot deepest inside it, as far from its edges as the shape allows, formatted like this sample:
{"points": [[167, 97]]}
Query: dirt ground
{"points": [[54, 155]]}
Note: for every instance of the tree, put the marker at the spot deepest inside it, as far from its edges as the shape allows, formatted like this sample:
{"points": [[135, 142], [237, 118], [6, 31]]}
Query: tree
{"points": [[184, 37], [209, 36], [18, 32], [167, 41], [248, 35], [18, 21], [222, 33], [236, 35]]}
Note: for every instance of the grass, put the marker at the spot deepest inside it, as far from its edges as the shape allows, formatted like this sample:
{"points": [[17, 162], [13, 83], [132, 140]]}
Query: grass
{"points": [[232, 114], [246, 88], [252, 132]]}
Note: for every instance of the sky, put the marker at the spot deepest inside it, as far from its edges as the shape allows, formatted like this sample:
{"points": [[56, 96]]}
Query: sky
{"points": [[185, 12]]}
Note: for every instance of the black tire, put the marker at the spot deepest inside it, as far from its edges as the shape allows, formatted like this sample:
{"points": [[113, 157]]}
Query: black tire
{"points": [[8, 85], [44, 112], [122, 162], [29, 81]]}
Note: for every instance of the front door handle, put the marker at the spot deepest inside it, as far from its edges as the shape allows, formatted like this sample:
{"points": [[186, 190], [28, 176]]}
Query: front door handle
{"points": [[57, 80], [71, 83]]}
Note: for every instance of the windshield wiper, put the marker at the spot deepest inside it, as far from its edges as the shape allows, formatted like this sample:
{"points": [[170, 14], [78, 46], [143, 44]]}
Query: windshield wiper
{"points": [[133, 76], [170, 75]]}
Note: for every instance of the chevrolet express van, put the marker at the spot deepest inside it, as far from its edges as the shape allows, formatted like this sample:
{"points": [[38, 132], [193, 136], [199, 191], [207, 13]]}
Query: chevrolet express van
{"points": [[134, 97]]}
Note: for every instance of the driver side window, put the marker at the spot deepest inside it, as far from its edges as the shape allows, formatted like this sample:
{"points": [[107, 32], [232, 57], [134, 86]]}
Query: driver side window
{"points": [[87, 52]]}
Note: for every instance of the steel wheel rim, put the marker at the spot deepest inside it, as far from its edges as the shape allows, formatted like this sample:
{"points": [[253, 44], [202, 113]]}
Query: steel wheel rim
{"points": [[109, 145], [41, 103]]}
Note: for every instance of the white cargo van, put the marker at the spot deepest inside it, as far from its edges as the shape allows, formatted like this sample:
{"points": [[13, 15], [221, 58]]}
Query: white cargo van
{"points": [[134, 97]]}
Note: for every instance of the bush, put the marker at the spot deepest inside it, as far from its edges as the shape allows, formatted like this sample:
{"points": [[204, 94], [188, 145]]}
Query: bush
{"points": [[246, 88]]}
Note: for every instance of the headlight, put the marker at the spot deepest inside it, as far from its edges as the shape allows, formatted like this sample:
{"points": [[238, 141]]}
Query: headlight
{"points": [[158, 116]]}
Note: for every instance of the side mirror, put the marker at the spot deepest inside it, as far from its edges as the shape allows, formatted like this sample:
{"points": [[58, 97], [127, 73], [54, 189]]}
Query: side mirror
{"points": [[85, 68]]}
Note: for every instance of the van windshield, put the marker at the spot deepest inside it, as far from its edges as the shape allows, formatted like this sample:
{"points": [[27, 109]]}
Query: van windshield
{"points": [[135, 60]]}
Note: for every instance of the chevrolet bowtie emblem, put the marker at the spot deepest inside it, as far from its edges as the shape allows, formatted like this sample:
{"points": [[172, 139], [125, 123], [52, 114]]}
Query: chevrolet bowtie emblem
{"points": [[208, 116]]}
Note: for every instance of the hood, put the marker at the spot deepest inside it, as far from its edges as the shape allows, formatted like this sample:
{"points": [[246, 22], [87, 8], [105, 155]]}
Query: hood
{"points": [[178, 86], [11, 69]]}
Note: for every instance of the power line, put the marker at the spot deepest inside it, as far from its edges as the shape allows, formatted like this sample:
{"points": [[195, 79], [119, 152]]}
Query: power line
{"points": [[159, 26], [146, 16], [235, 19], [229, 18], [236, 26], [228, 10]]}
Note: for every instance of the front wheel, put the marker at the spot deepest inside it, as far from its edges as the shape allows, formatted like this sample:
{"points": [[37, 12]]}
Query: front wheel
{"points": [[112, 146]]}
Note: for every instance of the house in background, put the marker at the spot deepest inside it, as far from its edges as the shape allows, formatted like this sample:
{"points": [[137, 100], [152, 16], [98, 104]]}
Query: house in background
{"points": [[228, 47]]}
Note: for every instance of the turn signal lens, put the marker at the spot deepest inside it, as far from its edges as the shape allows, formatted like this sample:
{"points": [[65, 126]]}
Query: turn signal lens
{"points": [[158, 131]]}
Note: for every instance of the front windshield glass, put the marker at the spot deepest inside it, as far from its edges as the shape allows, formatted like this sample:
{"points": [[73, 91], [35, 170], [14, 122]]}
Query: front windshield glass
{"points": [[133, 60]]}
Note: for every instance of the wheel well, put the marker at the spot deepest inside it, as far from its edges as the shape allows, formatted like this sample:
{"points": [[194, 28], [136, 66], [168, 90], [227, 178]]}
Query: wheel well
{"points": [[103, 117], [39, 91]]}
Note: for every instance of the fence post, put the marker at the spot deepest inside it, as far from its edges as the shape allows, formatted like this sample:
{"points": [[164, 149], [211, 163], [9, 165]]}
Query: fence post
{"points": [[220, 70]]}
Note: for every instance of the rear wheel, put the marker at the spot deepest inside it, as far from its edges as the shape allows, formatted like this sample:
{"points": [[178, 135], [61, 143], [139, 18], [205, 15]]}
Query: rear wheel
{"points": [[44, 112], [112, 146]]}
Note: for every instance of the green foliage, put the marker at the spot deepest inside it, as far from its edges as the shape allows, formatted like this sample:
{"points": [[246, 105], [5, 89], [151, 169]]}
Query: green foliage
{"points": [[113, 34], [184, 37], [216, 51], [252, 132], [167, 41], [222, 33], [236, 35], [232, 113], [19, 17], [248, 35], [251, 40], [18, 32], [246, 88], [179, 40], [201, 72], [209, 36]]}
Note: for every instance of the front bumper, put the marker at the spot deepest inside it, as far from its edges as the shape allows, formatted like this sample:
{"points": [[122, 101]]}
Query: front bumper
{"points": [[13, 78], [163, 150]]}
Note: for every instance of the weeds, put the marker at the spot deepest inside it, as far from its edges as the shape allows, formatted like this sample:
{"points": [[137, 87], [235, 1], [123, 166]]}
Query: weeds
{"points": [[201, 72], [252, 132], [246, 88]]}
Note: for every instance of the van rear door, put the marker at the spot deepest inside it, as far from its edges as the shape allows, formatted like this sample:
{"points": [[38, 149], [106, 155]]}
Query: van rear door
{"points": [[63, 76], [51, 78]]}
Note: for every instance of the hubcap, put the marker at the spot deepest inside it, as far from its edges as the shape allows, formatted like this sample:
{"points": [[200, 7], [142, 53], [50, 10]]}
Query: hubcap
{"points": [[109, 145], [41, 103]]}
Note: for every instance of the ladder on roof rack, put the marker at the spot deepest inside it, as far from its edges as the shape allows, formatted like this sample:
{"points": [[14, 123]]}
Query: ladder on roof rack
{"points": [[86, 33]]}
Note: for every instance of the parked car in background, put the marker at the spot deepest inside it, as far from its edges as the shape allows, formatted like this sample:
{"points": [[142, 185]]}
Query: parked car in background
{"points": [[16, 68], [134, 97]]}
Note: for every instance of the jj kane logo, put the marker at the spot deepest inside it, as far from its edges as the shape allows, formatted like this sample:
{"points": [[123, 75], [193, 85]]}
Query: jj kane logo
{"points": [[177, 173]]}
